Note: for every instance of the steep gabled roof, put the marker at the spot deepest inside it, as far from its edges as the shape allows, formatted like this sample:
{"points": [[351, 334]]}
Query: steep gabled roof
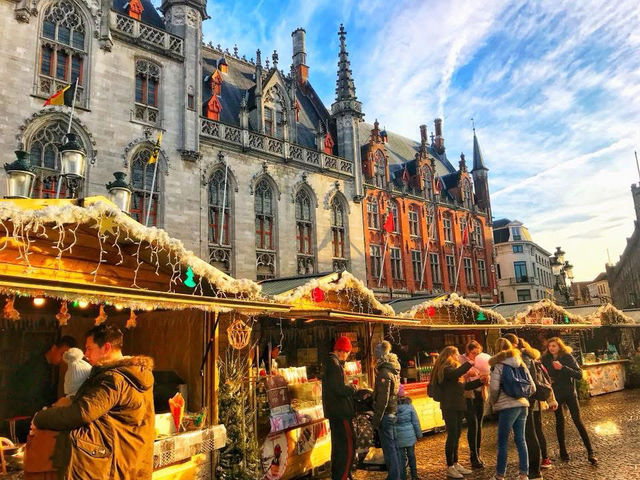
{"points": [[478, 161]]}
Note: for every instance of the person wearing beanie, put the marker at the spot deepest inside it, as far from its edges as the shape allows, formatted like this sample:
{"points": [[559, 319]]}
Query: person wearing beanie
{"points": [[385, 406], [78, 371], [339, 409]]}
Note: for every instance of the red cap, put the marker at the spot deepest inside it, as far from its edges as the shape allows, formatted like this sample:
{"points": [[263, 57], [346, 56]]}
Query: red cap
{"points": [[342, 344]]}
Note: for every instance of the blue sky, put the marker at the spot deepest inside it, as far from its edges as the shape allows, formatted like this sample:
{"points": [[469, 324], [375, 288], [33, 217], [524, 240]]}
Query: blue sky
{"points": [[554, 88]]}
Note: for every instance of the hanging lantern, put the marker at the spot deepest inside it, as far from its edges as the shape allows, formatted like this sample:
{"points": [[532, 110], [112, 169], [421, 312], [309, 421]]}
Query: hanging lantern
{"points": [[131, 322], [20, 176], [9, 312], [102, 316], [239, 334], [318, 295], [120, 191], [63, 315]]}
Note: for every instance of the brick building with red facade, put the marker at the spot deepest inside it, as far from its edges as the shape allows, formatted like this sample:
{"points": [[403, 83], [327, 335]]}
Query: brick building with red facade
{"points": [[431, 203]]}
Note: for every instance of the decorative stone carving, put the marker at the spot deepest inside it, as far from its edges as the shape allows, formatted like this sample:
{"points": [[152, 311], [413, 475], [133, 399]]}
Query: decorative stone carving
{"points": [[260, 175], [190, 155], [146, 141], [303, 183], [331, 194], [210, 169]]}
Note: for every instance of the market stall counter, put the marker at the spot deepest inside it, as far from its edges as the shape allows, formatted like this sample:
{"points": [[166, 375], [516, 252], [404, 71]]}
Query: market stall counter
{"points": [[67, 265]]}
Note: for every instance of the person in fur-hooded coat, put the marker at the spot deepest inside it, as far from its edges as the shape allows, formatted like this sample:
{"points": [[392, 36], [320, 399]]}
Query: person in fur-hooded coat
{"points": [[108, 430]]}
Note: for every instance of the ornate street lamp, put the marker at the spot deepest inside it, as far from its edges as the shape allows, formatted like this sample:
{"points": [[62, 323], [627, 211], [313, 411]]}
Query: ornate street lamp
{"points": [[562, 270], [559, 254], [568, 269], [73, 160], [120, 191], [20, 176]]}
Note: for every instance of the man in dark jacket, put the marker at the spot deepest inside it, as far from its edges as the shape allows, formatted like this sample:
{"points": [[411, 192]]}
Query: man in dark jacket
{"points": [[108, 430], [337, 402], [385, 406]]}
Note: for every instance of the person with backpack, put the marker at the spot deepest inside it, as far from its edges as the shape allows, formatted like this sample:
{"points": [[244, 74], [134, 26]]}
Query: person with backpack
{"points": [[446, 386], [534, 436], [510, 388], [408, 431], [564, 371]]}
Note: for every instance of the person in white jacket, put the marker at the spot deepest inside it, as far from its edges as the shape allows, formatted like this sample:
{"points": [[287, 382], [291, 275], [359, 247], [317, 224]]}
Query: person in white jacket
{"points": [[512, 411]]}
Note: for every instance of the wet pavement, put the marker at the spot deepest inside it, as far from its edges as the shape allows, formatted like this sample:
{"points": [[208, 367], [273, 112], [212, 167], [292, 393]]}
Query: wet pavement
{"points": [[612, 420]]}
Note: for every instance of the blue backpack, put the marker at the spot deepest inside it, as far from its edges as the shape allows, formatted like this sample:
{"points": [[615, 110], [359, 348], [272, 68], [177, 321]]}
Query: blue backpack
{"points": [[515, 381]]}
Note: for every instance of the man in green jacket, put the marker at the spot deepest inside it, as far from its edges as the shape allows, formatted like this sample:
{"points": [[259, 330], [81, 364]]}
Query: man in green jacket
{"points": [[107, 431]]}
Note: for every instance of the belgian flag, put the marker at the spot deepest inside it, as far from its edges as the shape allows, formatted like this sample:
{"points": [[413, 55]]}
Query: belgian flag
{"points": [[64, 96]]}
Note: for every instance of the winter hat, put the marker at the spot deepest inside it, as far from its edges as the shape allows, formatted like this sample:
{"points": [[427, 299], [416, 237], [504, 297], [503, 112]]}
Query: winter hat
{"points": [[77, 372], [343, 344], [382, 349]]}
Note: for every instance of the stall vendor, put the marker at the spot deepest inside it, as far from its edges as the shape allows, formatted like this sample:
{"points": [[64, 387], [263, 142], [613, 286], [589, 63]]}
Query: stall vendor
{"points": [[34, 384]]}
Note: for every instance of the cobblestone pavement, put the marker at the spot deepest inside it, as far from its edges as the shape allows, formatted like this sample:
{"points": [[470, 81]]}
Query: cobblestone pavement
{"points": [[613, 422]]}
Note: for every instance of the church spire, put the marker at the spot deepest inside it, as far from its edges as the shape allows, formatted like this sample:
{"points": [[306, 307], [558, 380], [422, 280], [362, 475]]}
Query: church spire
{"points": [[346, 100]]}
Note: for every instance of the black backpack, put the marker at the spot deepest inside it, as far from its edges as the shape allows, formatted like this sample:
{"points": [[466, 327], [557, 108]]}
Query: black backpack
{"points": [[434, 390], [542, 380]]}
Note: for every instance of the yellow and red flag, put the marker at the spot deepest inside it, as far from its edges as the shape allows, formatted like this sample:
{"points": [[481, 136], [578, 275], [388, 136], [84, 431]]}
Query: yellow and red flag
{"points": [[62, 97], [156, 151]]}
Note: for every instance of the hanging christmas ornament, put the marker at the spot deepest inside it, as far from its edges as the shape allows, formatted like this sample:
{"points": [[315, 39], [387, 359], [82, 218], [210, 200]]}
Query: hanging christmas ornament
{"points": [[318, 295], [239, 334], [9, 312], [189, 281], [63, 315], [431, 311], [102, 316], [131, 322], [481, 317], [566, 319]]}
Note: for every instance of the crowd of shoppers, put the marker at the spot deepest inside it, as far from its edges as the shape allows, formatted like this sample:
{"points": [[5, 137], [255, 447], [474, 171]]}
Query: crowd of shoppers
{"points": [[520, 385]]}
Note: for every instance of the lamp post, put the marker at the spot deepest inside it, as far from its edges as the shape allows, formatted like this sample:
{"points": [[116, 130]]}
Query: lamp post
{"points": [[562, 270], [73, 160], [20, 176], [120, 191]]}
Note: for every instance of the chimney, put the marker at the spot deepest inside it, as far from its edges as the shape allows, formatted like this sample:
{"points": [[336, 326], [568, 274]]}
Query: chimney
{"points": [[423, 134], [439, 142], [300, 55]]}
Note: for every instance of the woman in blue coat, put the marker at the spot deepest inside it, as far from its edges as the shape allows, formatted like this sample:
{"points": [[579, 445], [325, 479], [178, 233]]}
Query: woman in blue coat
{"points": [[408, 432]]}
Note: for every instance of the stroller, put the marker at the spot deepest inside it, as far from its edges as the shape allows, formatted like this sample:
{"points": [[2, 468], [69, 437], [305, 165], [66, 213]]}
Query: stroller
{"points": [[368, 451]]}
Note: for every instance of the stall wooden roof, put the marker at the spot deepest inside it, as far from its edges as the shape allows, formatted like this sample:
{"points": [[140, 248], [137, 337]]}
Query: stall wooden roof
{"points": [[452, 311], [89, 249], [545, 313], [607, 315], [337, 292]]}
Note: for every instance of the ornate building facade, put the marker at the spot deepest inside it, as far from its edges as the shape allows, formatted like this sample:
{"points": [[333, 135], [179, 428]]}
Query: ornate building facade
{"points": [[438, 235], [254, 173]]}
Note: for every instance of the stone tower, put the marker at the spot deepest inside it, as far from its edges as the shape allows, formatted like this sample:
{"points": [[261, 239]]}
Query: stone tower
{"points": [[184, 18], [480, 175], [635, 191], [347, 112]]}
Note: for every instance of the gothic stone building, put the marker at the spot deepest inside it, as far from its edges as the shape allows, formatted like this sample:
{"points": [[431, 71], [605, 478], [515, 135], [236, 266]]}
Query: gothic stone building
{"points": [[254, 172]]}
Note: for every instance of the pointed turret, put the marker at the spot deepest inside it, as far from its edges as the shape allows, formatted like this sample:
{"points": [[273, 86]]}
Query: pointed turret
{"points": [[346, 99], [480, 175], [347, 113], [478, 161]]}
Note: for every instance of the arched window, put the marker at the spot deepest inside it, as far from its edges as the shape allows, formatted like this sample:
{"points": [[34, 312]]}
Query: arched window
{"points": [[265, 224], [273, 112], [219, 236], [63, 50], [339, 234], [142, 180], [428, 183], [467, 195], [477, 234], [43, 147], [147, 92], [394, 214], [304, 233], [379, 172]]}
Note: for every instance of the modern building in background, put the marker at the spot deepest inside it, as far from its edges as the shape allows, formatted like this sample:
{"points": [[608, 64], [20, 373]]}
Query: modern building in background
{"points": [[599, 289], [523, 268], [624, 276]]}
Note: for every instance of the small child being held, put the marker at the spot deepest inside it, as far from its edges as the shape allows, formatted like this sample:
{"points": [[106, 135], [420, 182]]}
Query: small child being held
{"points": [[408, 431], [78, 370]]}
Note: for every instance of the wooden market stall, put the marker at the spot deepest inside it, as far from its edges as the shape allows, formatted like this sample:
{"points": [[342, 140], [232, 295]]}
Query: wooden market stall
{"points": [[607, 348], [290, 349], [441, 321], [66, 265]]}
